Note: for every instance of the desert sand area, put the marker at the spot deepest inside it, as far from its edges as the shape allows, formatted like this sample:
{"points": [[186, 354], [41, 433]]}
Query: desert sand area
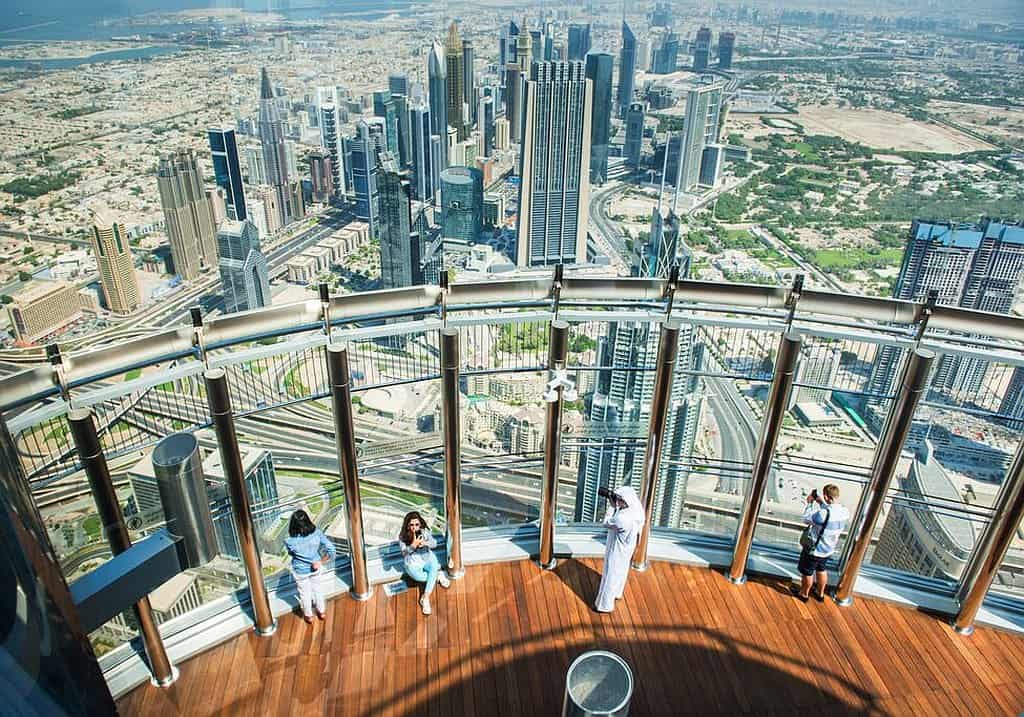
{"points": [[886, 130], [1002, 122]]}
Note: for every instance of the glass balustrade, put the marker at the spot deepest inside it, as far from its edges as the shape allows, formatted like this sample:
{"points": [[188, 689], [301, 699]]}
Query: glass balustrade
{"points": [[964, 433]]}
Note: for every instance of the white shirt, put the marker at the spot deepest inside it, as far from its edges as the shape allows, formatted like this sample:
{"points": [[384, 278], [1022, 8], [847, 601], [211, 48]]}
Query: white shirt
{"points": [[838, 517]]}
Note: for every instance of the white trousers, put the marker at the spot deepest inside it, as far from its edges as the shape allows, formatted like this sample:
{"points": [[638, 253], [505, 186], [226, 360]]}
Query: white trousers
{"points": [[311, 592]]}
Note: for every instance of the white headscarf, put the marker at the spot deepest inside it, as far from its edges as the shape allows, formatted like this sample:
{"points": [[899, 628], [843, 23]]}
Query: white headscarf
{"points": [[634, 510]]}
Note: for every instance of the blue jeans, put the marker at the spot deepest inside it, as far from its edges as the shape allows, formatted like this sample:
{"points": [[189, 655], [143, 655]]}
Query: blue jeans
{"points": [[425, 573]]}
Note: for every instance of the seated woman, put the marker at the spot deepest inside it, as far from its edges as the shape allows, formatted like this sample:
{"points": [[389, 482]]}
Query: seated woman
{"points": [[420, 562], [307, 546]]}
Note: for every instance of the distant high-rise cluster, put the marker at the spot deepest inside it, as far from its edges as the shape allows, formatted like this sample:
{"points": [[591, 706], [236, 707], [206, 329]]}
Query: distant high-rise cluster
{"points": [[971, 266]]}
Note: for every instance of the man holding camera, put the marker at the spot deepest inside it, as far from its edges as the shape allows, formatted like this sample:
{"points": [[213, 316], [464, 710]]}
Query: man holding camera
{"points": [[825, 519], [624, 519]]}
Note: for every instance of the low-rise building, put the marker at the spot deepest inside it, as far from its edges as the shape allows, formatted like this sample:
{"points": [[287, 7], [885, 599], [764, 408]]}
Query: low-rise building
{"points": [[43, 308], [301, 269]]}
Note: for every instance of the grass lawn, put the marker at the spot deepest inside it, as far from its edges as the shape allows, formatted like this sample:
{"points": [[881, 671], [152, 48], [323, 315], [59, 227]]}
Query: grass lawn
{"points": [[133, 374], [92, 527], [856, 258]]}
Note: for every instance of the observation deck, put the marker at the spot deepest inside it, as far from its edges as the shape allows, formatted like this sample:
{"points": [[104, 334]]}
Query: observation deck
{"points": [[500, 642], [497, 410]]}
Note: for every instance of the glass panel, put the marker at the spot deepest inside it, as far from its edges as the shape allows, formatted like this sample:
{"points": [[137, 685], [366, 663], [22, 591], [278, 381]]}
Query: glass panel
{"points": [[400, 457], [827, 435], [957, 454]]}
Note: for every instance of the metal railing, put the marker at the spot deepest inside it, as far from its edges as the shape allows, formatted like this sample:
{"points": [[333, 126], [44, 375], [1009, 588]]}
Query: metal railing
{"points": [[849, 358]]}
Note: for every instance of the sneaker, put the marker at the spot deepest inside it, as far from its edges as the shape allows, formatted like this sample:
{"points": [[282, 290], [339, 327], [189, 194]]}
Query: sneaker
{"points": [[443, 580], [795, 592], [308, 619], [321, 615], [425, 604]]}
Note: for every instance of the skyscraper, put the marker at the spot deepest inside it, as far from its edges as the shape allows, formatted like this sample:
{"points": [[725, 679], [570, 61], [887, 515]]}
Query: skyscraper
{"points": [[188, 216], [227, 170], [321, 174], [485, 121], [332, 140], [456, 82], [971, 266], [554, 167], [115, 263], [599, 72], [514, 101], [422, 156], [700, 128], [362, 151], [384, 107], [579, 41], [274, 154], [462, 203], [666, 56], [468, 81], [401, 103], [399, 247], [627, 70], [634, 134], [254, 166], [398, 85], [726, 43], [618, 412], [702, 49], [243, 268], [437, 90]]}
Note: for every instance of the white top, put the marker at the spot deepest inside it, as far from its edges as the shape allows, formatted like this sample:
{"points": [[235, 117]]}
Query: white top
{"points": [[417, 557], [837, 516]]}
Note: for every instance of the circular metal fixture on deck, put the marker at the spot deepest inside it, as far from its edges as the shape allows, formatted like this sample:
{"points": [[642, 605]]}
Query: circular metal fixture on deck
{"points": [[598, 683]]}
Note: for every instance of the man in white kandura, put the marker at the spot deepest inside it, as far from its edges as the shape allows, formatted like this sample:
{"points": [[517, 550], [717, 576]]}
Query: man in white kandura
{"points": [[624, 519]]}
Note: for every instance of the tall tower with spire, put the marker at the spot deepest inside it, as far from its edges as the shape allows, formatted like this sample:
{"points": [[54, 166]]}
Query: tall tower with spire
{"points": [[456, 88], [437, 90], [272, 140], [627, 69]]}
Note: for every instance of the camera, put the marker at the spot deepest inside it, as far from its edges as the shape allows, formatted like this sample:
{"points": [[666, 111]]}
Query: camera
{"points": [[605, 493]]}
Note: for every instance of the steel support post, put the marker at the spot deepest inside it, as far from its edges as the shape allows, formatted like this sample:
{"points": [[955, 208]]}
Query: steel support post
{"points": [[668, 350], [452, 448], [1007, 514], [558, 350], [348, 469], [94, 462], [887, 456], [218, 397], [774, 412]]}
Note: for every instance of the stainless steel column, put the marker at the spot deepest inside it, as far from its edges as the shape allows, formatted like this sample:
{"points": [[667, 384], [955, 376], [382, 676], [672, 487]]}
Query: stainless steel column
{"points": [[887, 456], [452, 448], [668, 349], [1007, 514], [558, 350], [94, 463], [345, 442], [218, 397], [774, 412]]}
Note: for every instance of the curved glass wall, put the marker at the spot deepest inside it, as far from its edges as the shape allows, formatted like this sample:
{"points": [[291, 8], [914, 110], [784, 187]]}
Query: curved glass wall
{"points": [[847, 374]]}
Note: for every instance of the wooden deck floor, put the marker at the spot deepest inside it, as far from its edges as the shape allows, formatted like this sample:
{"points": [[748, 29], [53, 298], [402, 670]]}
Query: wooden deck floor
{"points": [[500, 641]]}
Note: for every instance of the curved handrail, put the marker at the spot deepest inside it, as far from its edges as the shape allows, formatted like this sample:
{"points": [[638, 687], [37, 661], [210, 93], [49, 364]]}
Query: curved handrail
{"points": [[40, 382]]}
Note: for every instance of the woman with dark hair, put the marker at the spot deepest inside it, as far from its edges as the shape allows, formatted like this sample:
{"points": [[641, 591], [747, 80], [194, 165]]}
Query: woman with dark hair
{"points": [[307, 545], [420, 562]]}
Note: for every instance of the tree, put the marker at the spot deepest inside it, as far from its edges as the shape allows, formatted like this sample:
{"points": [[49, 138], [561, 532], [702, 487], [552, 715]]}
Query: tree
{"points": [[24, 276], [6, 299]]}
